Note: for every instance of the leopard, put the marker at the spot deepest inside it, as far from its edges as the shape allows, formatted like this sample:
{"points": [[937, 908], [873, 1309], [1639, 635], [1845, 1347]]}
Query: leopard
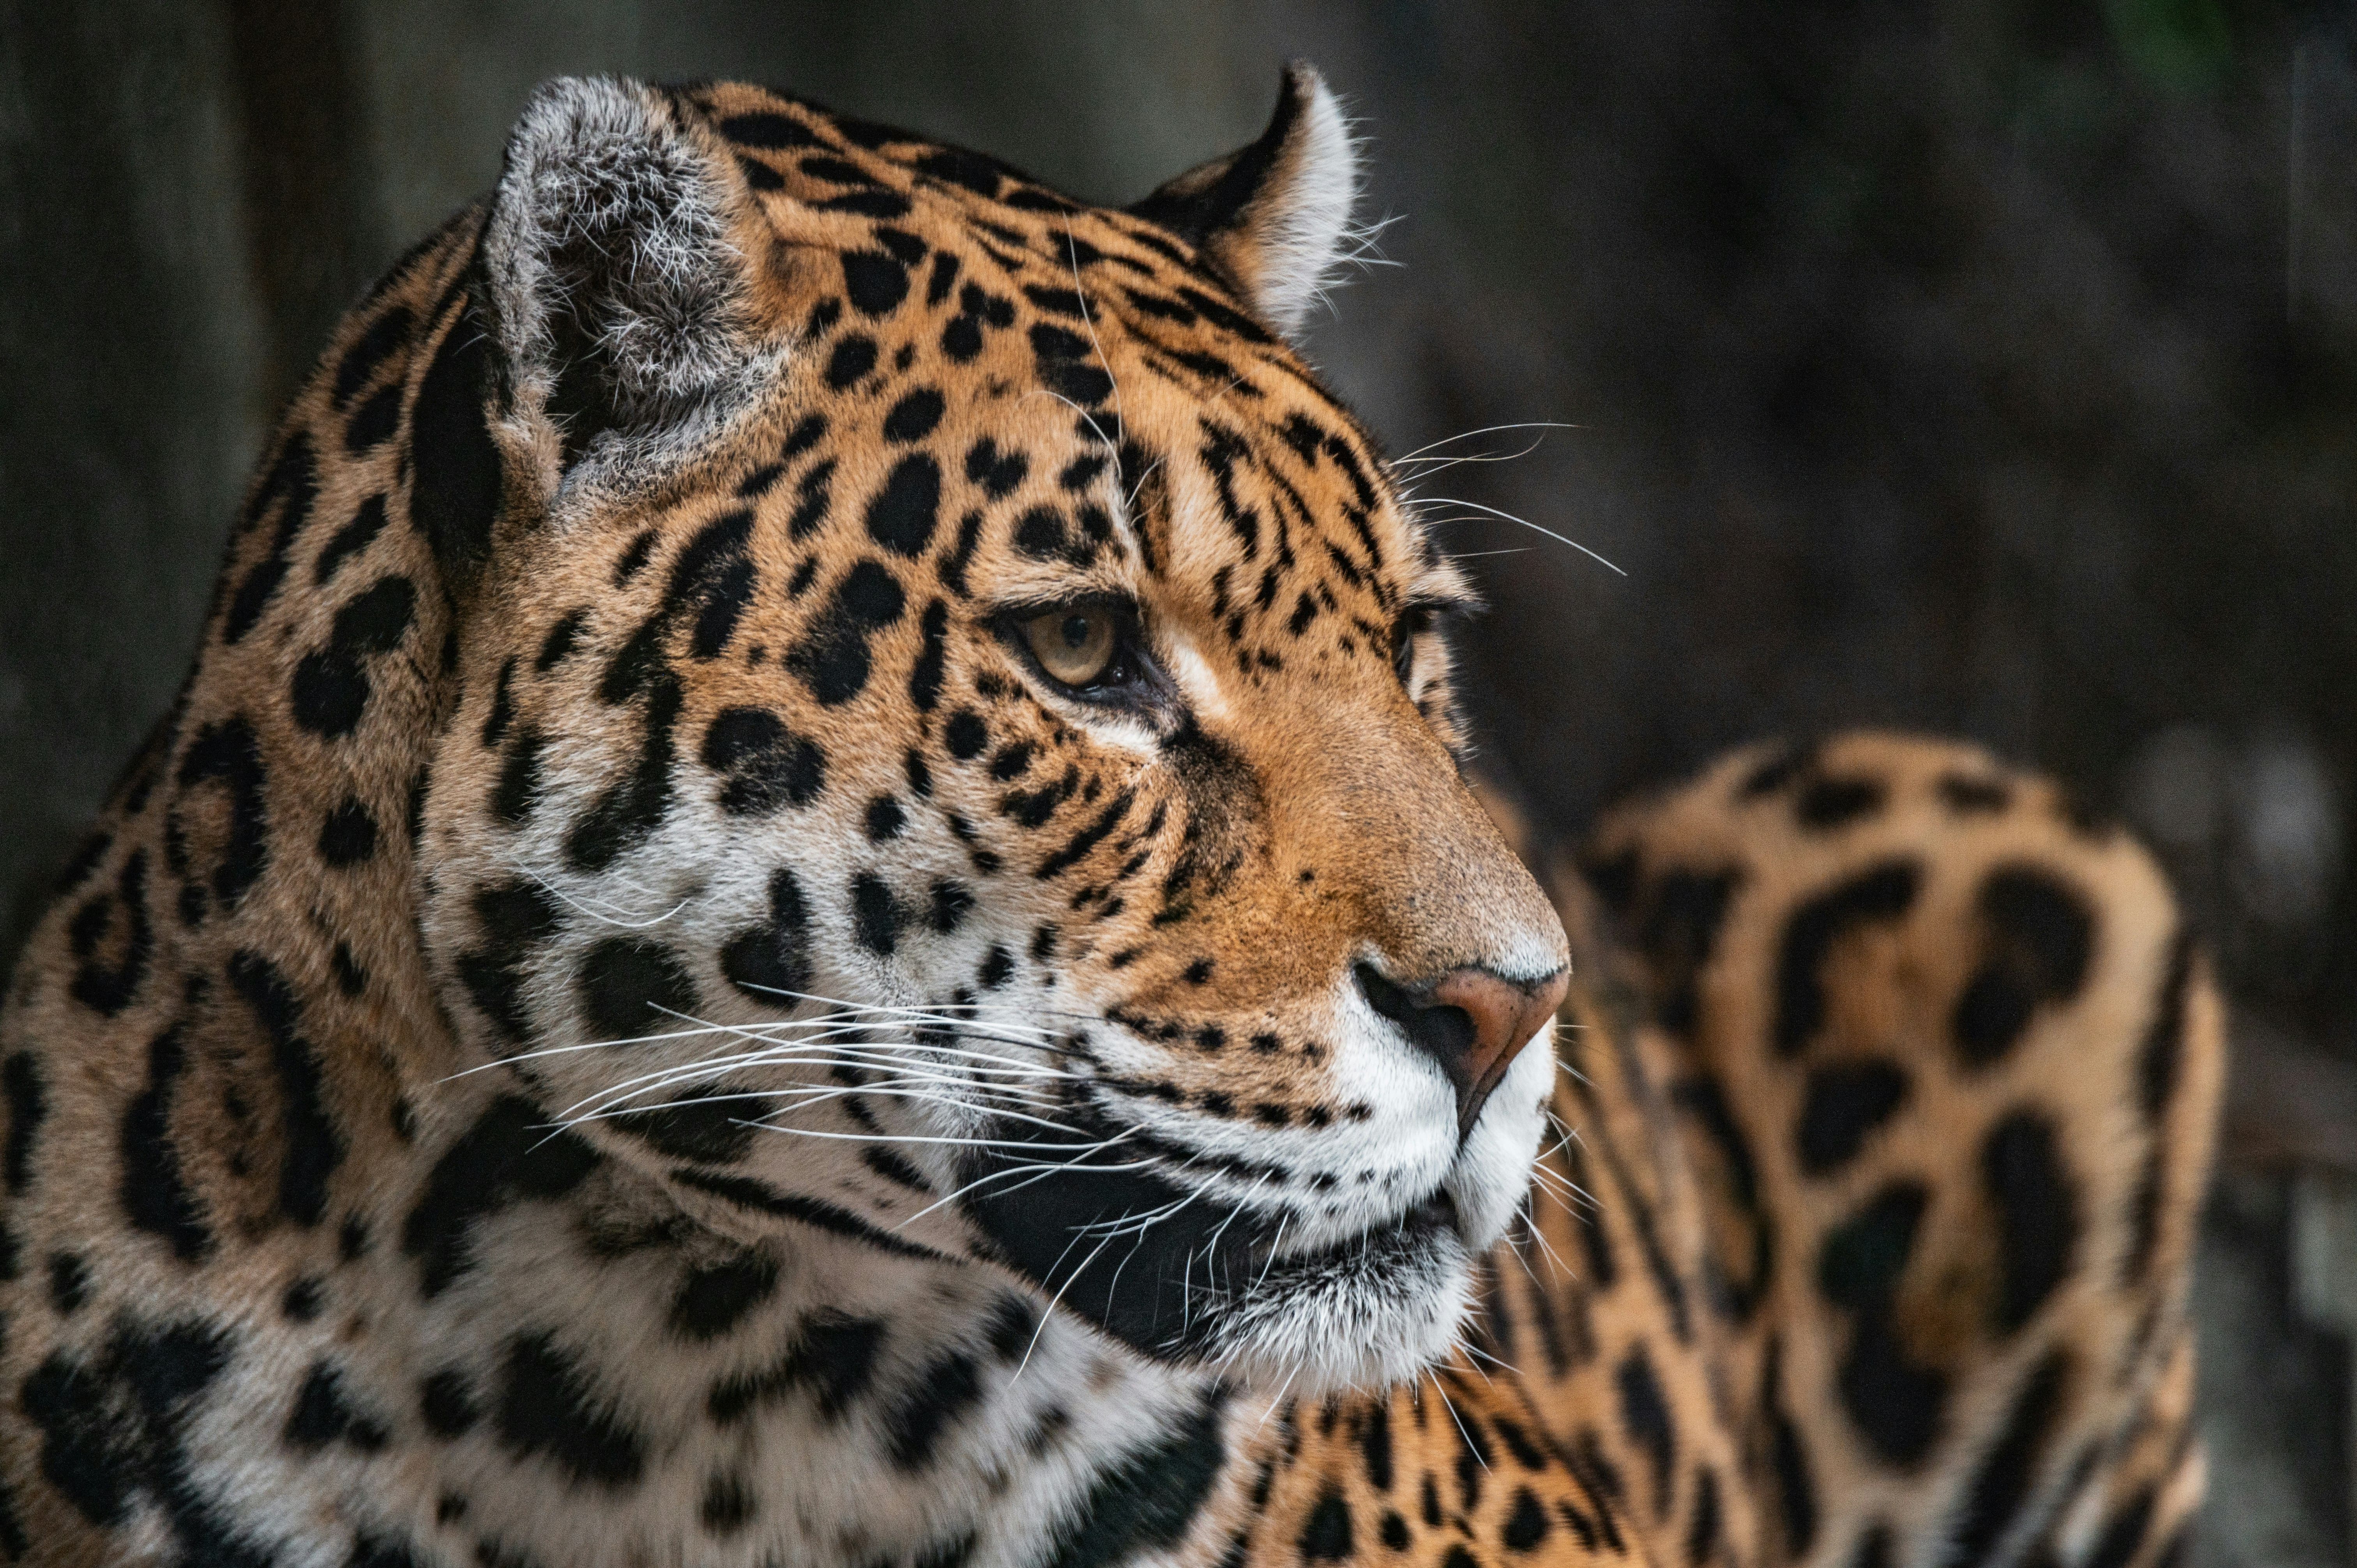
{"points": [[821, 898]]}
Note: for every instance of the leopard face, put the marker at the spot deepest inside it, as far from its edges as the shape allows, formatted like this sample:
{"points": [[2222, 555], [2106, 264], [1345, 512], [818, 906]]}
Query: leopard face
{"points": [[954, 747]]}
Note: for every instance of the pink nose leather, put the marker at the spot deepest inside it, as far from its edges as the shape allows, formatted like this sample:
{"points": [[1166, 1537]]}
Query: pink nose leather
{"points": [[1505, 1016]]}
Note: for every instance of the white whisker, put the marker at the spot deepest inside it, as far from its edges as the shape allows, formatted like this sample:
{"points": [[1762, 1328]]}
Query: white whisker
{"points": [[1534, 528]]}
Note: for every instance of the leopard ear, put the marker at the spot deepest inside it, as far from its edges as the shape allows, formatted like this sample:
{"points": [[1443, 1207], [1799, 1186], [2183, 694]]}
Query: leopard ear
{"points": [[1273, 215], [622, 302]]}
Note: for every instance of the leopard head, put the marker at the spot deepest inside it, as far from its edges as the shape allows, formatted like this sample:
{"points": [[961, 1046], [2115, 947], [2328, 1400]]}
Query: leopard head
{"points": [[954, 746]]}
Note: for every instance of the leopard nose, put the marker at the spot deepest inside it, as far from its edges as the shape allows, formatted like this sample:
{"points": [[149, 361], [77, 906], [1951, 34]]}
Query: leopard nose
{"points": [[1473, 1022]]}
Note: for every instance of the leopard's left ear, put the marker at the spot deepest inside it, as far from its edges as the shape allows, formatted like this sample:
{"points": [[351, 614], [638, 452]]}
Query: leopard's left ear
{"points": [[622, 297], [1273, 215]]}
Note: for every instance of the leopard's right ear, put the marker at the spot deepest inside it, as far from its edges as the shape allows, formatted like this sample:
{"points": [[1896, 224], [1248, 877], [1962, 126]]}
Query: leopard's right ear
{"points": [[1275, 214], [620, 297]]}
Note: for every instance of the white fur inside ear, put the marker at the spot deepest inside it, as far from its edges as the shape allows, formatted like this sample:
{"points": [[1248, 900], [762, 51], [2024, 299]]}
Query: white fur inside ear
{"points": [[609, 237], [1303, 219]]}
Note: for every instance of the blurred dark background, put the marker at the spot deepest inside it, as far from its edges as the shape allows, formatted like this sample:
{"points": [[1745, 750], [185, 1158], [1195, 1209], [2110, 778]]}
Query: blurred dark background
{"points": [[1988, 368]]}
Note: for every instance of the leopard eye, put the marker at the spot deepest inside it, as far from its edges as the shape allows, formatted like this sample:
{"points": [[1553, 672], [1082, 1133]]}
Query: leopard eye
{"points": [[1075, 644]]}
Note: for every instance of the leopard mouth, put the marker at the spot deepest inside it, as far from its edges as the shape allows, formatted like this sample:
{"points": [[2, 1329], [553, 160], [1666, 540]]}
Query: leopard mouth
{"points": [[1186, 1278]]}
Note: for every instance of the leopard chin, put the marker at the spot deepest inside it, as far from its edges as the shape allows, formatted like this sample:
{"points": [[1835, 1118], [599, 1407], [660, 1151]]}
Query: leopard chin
{"points": [[1195, 1281]]}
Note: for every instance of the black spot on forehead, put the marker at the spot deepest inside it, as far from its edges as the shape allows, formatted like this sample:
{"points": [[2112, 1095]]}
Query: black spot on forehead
{"points": [[769, 131], [905, 248], [875, 203], [1063, 359], [997, 472], [875, 281], [1042, 534], [854, 357], [811, 498], [914, 417], [905, 512]]}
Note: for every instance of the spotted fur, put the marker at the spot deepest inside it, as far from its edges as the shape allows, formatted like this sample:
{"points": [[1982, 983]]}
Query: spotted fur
{"points": [[625, 1018]]}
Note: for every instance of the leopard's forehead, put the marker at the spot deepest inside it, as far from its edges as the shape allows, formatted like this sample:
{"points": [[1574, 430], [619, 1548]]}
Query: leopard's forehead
{"points": [[1045, 397]]}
